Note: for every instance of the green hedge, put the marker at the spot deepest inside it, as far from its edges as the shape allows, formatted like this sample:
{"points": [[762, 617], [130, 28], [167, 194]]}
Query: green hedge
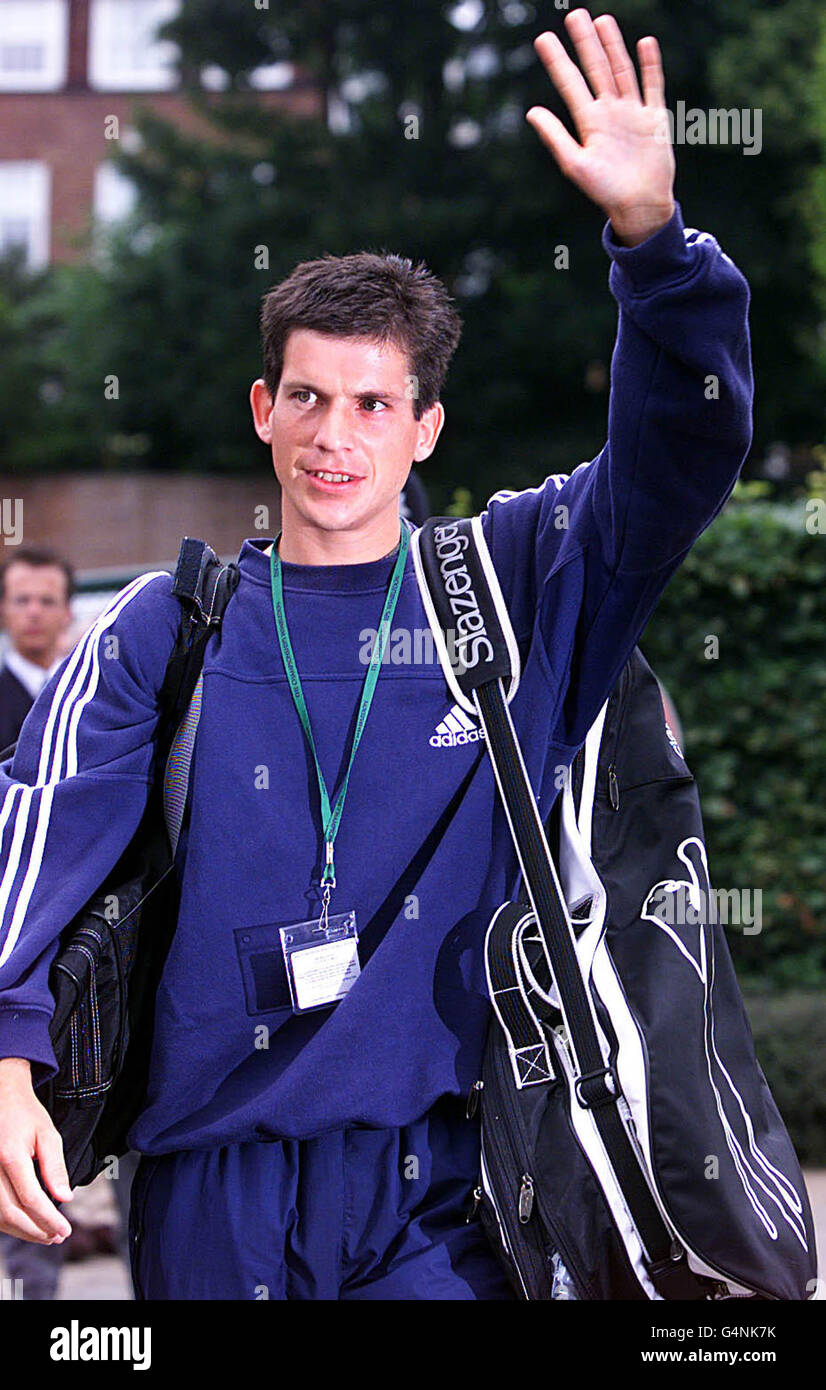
{"points": [[754, 720], [790, 1038]]}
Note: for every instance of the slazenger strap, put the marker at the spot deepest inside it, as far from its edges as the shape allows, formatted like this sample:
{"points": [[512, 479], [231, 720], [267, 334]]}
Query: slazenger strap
{"points": [[465, 606], [455, 570]]}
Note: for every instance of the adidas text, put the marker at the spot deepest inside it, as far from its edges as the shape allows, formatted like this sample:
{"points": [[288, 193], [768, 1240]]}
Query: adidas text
{"points": [[455, 729]]}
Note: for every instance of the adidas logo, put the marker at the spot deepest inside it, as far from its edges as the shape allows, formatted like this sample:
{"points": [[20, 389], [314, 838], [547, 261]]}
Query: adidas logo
{"points": [[456, 727]]}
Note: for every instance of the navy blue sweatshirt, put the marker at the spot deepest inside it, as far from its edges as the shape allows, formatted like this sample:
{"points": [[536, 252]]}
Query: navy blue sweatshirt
{"points": [[423, 854]]}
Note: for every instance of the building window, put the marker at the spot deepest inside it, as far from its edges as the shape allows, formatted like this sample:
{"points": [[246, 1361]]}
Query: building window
{"points": [[274, 77], [124, 53], [33, 45], [114, 195], [25, 205]]}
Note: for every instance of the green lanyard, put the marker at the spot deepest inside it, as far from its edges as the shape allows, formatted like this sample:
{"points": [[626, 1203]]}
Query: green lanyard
{"points": [[330, 821]]}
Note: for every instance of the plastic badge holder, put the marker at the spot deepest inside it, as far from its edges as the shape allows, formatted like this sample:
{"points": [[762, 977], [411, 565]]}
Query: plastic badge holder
{"points": [[321, 958]]}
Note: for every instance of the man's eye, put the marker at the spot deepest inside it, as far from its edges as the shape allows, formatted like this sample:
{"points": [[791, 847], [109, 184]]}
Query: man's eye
{"points": [[373, 400], [303, 391]]}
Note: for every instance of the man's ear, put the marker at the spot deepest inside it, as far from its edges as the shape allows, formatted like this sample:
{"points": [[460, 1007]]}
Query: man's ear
{"points": [[430, 427], [262, 404]]}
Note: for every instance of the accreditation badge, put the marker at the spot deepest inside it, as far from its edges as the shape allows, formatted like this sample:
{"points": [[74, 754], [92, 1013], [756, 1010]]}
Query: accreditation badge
{"points": [[321, 958]]}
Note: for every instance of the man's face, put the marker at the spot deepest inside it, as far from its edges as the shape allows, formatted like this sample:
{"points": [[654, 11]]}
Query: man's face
{"points": [[343, 406], [34, 611]]}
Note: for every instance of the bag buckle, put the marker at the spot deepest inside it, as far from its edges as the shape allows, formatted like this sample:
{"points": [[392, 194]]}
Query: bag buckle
{"points": [[597, 1096]]}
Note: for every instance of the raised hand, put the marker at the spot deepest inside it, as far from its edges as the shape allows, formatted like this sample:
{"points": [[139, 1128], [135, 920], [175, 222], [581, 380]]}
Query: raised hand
{"points": [[624, 162]]}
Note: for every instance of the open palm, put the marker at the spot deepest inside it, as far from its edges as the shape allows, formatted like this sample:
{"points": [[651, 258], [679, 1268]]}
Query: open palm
{"points": [[623, 161]]}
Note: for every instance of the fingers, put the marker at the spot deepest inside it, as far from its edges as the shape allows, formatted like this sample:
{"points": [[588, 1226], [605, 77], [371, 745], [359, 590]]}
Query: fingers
{"points": [[605, 61], [651, 70], [591, 53], [14, 1221], [49, 1155], [23, 1201], [564, 74], [552, 132], [622, 66]]}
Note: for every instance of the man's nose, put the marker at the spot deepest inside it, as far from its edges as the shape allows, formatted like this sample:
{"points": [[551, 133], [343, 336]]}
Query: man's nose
{"points": [[333, 427]]}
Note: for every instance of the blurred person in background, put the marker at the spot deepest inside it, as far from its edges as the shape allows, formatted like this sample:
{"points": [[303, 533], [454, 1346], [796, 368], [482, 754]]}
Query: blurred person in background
{"points": [[36, 588]]}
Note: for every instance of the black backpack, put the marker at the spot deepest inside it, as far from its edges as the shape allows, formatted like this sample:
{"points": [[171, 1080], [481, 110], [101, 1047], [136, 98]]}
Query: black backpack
{"points": [[631, 1148], [105, 974]]}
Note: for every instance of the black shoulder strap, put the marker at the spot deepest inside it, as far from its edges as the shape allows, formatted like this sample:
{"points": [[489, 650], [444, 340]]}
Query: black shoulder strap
{"points": [[203, 586], [465, 606], [457, 579], [202, 583]]}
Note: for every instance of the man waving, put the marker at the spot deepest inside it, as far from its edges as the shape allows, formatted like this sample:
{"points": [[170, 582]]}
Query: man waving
{"points": [[304, 1131]]}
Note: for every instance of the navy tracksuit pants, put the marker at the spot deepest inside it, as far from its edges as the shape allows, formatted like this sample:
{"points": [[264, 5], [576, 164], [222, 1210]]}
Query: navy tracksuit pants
{"points": [[357, 1213]]}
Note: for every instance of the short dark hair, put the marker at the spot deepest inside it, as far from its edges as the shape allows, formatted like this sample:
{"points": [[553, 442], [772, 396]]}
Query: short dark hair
{"points": [[39, 556], [372, 295]]}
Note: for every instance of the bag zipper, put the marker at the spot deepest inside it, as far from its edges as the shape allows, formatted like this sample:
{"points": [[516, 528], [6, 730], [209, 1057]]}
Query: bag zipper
{"points": [[621, 706], [123, 1011], [529, 1262], [473, 1099], [85, 1089], [613, 789], [486, 1189], [525, 1206], [613, 785], [516, 1161]]}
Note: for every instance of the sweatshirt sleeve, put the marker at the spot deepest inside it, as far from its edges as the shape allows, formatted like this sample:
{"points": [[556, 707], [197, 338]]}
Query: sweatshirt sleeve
{"points": [[584, 557], [72, 796]]}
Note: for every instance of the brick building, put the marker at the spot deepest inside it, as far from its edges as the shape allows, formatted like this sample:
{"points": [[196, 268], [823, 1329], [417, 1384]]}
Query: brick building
{"points": [[66, 68]]}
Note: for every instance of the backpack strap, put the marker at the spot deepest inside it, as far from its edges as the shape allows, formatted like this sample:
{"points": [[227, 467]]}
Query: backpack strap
{"points": [[203, 586], [202, 583]]}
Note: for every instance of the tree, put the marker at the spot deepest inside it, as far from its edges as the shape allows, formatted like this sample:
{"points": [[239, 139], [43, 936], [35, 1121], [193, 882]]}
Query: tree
{"points": [[420, 146]]}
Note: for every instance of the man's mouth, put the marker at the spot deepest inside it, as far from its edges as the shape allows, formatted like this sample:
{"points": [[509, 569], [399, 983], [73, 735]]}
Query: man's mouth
{"points": [[330, 478]]}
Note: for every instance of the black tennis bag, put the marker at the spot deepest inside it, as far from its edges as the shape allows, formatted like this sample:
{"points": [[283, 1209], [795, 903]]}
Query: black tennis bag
{"points": [[631, 1148], [106, 972]]}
